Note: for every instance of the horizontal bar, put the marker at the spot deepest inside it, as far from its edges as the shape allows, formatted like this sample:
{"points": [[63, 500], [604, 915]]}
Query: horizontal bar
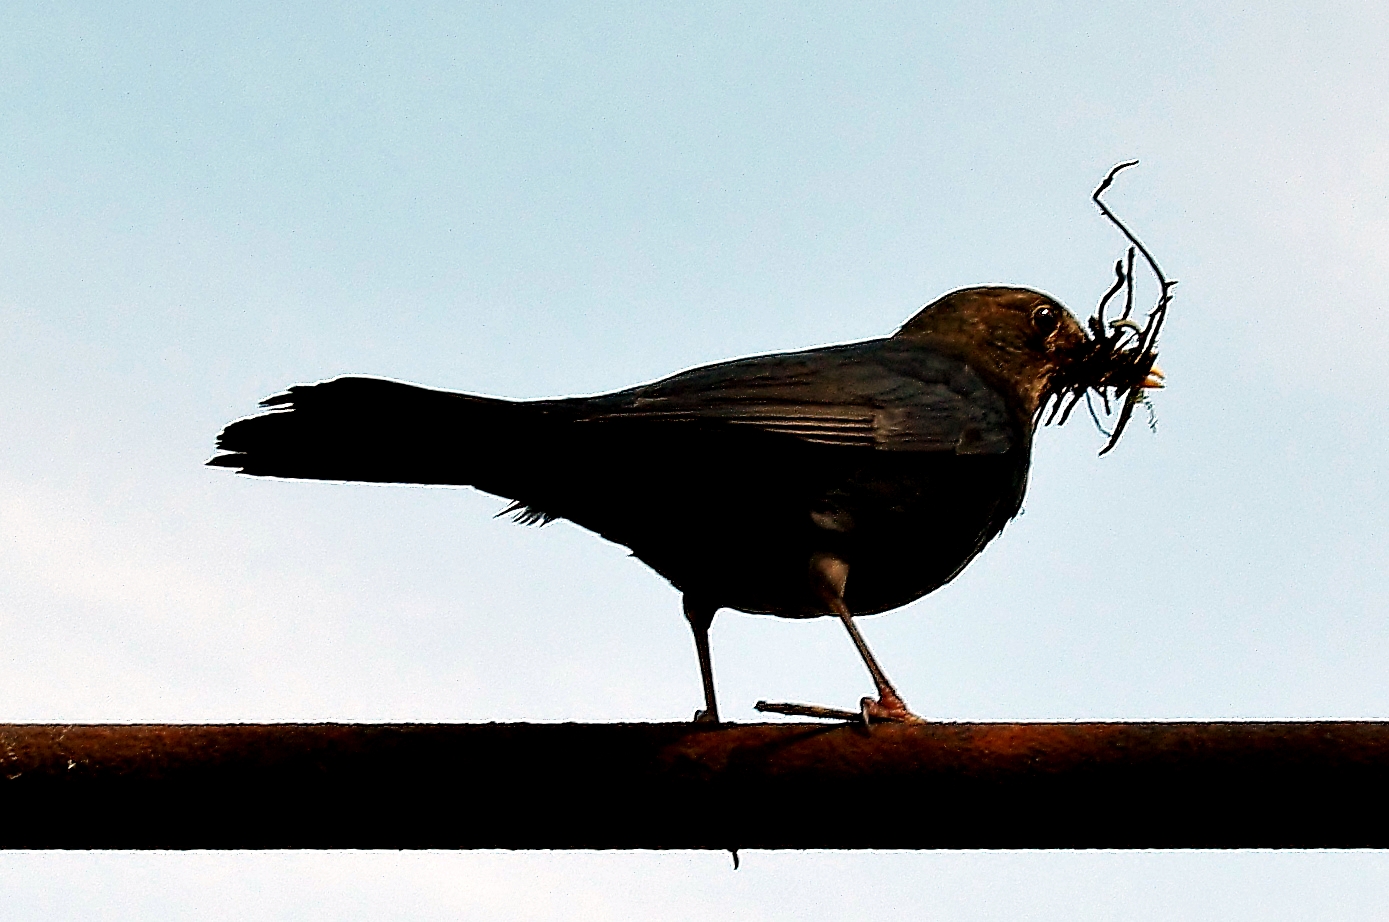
{"points": [[553, 786]]}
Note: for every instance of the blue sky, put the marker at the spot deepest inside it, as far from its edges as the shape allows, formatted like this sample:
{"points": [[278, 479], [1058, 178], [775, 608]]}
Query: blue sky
{"points": [[201, 205]]}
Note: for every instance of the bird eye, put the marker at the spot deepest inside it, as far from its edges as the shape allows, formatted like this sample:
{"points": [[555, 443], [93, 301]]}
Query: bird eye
{"points": [[1045, 319]]}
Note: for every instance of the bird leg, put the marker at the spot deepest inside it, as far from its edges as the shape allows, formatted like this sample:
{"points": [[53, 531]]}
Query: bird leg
{"points": [[829, 574], [700, 616]]}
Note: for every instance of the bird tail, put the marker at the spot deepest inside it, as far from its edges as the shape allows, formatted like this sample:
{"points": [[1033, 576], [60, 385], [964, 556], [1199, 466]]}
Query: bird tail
{"points": [[378, 431]]}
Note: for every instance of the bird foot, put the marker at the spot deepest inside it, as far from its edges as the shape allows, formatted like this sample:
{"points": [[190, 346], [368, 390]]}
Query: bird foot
{"points": [[703, 716], [804, 710], [870, 711], [887, 709]]}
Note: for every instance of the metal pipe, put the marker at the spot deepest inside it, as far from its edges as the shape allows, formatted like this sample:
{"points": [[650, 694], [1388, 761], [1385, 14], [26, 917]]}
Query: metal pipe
{"points": [[552, 786]]}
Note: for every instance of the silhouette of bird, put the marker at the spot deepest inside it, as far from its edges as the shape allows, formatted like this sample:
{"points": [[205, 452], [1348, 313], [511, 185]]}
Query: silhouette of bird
{"points": [[846, 480]]}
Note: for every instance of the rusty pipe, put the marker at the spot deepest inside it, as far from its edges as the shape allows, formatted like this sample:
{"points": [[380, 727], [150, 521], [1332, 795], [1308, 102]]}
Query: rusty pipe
{"points": [[555, 786]]}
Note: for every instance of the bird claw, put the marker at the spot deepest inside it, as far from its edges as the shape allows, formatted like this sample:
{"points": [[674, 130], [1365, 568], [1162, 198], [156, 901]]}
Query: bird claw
{"points": [[887, 709], [870, 711], [703, 716], [804, 710]]}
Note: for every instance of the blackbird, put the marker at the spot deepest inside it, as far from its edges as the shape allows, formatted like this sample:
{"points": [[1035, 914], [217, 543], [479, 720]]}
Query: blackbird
{"points": [[846, 480]]}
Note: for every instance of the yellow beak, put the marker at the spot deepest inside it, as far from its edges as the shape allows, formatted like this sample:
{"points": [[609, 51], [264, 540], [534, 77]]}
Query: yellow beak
{"points": [[1155, 377]]}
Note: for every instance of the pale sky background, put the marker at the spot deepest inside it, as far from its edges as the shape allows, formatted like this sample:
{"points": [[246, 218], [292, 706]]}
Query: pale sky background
{"points": [[201, 204]]}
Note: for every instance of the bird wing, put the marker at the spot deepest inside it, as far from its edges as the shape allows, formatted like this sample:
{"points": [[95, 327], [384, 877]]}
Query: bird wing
{"points": [[883, 394]]}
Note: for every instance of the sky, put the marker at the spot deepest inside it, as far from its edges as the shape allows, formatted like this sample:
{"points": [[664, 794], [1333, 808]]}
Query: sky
{"points": [[202, 204]]}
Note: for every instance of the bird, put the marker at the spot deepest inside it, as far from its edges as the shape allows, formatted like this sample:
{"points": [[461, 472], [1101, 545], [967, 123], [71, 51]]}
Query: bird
{"points": [[840, 481]]}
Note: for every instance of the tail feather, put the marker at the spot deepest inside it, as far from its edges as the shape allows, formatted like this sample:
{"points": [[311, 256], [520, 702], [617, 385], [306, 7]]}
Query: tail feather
{"points": [[379, 431]]}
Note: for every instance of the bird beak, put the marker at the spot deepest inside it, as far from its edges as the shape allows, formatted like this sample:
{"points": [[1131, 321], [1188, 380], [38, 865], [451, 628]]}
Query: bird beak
{"points": [[1155, 377]]}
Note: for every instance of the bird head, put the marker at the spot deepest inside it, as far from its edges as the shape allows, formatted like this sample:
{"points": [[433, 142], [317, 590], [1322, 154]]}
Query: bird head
{"points": [[1036, 351]]}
